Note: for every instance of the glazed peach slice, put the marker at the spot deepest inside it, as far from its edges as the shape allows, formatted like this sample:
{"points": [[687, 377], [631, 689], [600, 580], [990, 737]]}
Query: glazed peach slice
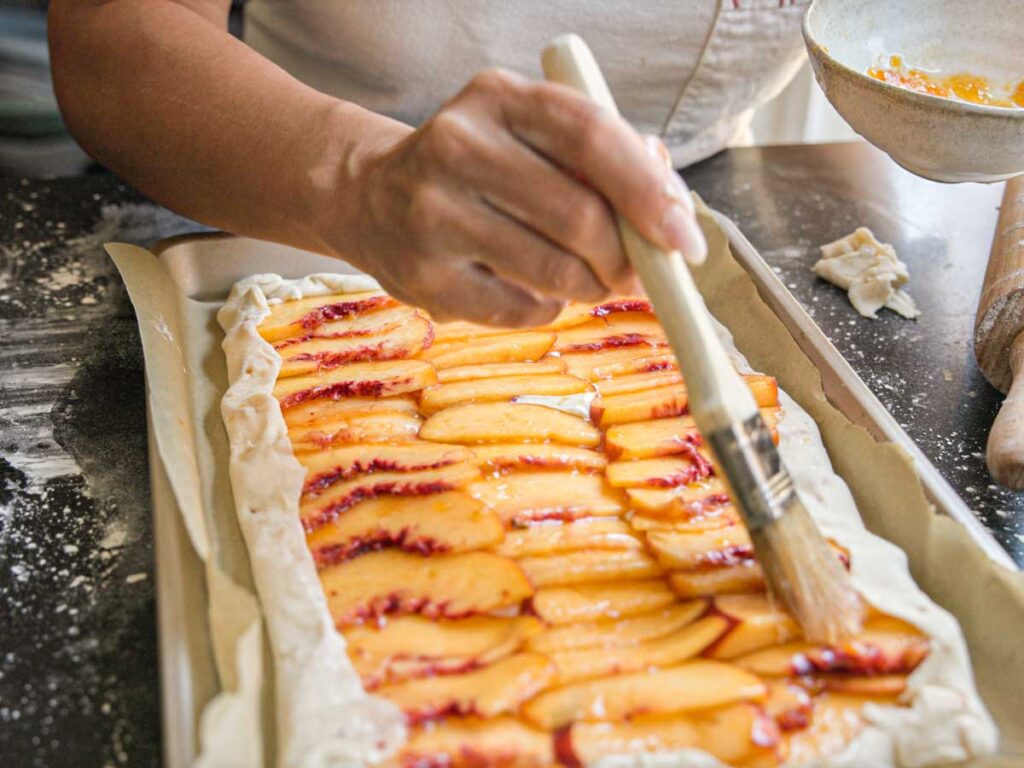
{"points": [[549, 537], [673, 648], [412, 646], [472, 742], [505, 388], [862, 685], [381, 583], [726, 580], [578, 313], [664, 402], [788, 704], [508, 423], [609, 363], [390, 427], [500, 457], [524, 497], [378, 379], [442, 522], [318, 353], [302, 316], [683, 502], [715, 517], [502, 348], [835, 721], [616, 632], [637, 382], [314, 412], [628, 329], [669, 472], [494, 690], [663, 437], [692, 551], [344, 463], [594, 602], [885, 646], [460, 330], [496, 370], [588, 566], [691, 686], [756, 623], [734, 734], [316, 510]]}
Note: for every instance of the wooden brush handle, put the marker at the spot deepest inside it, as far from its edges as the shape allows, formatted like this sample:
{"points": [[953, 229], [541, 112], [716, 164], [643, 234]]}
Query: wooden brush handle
{"points": [[718, 396]]}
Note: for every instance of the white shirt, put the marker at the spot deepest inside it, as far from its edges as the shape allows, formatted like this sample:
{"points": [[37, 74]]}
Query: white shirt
{"points": [[690, 71]]}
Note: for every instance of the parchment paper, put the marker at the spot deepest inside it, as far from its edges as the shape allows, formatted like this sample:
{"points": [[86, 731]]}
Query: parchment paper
{"points": [[187, 378]]}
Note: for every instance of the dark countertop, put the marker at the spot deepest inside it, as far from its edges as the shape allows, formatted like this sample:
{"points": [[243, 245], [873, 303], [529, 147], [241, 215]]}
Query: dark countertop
{"points": [[78, 660]]}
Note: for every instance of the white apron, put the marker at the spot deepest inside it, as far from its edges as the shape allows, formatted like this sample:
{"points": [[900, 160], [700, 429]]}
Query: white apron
{"points": [[690, 71]]}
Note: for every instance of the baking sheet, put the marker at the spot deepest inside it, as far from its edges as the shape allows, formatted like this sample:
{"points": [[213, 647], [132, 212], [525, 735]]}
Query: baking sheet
{"points": [[177, 292]]}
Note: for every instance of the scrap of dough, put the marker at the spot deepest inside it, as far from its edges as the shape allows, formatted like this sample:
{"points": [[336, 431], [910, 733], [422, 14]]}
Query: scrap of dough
{"points": [[869, 271]]}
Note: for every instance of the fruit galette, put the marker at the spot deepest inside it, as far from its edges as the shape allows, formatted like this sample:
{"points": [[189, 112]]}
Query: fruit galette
{"points": [[522, 538]]}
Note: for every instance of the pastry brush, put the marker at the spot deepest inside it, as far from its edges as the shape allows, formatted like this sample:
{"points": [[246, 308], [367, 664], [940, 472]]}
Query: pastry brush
{"points": [[800, 569]]}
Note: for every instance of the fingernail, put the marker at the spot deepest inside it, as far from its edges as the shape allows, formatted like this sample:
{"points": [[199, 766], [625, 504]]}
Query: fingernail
{"points": [[676, 189], [684, 234]]}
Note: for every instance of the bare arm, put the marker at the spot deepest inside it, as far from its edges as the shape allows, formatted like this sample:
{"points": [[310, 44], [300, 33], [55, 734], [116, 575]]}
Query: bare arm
{"points": [[473, 213]]}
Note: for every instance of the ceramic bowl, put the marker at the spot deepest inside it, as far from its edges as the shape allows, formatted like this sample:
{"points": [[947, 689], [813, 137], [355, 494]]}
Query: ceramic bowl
{"points": [[934, 137]]}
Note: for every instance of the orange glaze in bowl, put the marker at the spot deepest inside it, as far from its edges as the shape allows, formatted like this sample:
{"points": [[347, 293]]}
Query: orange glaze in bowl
{"points": [[962, 86]]}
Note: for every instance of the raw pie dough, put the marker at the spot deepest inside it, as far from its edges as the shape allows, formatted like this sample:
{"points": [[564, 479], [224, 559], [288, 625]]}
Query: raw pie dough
{"points": [[326, 718], [870, 272]]}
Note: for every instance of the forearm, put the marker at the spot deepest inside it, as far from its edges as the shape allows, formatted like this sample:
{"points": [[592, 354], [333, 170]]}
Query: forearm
{"points": [[161, 93]]}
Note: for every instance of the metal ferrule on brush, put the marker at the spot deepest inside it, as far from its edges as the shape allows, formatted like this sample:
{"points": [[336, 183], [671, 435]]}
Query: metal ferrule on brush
{"points": [[748, 458]]}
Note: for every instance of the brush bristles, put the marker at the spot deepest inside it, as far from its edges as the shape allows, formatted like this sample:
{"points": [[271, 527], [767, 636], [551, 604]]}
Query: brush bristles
{"points": [[804, 573]]}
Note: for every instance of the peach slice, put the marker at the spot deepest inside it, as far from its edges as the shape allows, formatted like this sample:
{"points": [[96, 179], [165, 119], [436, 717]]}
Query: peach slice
{"points": [[616, 632], [607, 363], [670, 472], [863, 685], [578, 313], [391, 377], [523, 497], [550, 537], [734, 734], [637, 382], [381, 427], [683, 502], [316, 510], [885, 646], [508, 423], [460, 330], [302, 316], [627, 329], [673, 648], [593, 602], [338, 464], [440, 586], [693, 685], [442, 522], [495, 370], [756, 623], [718, 517], [494, 690], [835, 721], [412, 646], [499, 742], [588, 566], [788, 704], [506, 388], [318, 353], [664, 402], [502, 348], [727, 580], [500, 457], [317, 411], [663, 437], [692, 551]]}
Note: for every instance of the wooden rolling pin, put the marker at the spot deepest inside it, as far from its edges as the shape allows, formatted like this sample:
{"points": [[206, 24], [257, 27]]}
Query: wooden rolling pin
{"points": [[999, 337]]}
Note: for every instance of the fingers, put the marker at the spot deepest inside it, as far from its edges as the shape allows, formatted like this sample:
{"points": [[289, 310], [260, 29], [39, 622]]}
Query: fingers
{"points": [[578, 134], [476, 294]]}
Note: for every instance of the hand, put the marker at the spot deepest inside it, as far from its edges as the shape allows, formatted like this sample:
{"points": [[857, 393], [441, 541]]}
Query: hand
{"points": [[500, 206]]}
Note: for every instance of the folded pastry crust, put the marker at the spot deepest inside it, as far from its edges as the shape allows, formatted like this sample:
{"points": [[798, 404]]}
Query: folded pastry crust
{"points": [[325, 714]]}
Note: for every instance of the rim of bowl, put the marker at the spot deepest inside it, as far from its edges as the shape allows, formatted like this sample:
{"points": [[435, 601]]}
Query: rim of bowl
{"points": [[924, 99]]}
